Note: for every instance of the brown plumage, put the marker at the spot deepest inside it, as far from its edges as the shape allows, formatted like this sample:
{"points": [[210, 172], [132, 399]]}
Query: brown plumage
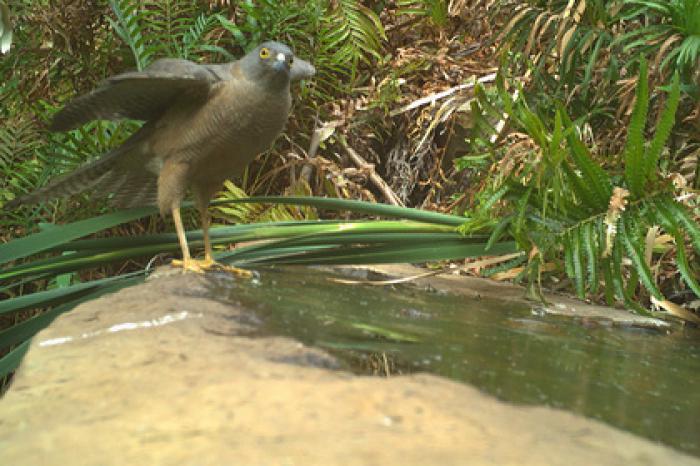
{"points": [[204, 124]]}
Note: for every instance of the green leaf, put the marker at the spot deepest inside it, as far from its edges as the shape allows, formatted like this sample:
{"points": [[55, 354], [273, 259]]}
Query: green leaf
{"points": [[568, 245], [609, 282], [588, 237], [58, 295], [689, 276], [635, 175], [42, 241], [582, 190], [636, 254], [10, 362], [498, 231], [355, 206], [593, 175], [287, 252], [28, 328], [617, 274], [663, 130], [681, 214], [577, 258]]}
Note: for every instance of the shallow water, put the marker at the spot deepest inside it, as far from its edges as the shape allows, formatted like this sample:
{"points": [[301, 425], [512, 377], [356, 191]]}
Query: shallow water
{"points": [[642, 381]]}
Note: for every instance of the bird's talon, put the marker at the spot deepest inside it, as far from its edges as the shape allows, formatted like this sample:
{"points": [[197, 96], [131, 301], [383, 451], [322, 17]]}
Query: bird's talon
{"points": [[190, 265], [231, 269], [200, 266]]}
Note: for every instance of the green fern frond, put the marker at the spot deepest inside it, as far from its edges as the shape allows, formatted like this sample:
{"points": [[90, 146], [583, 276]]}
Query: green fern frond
{"points": [[499, 231], [568, 255], [352, 32], [616, 262], [609, 282], [194, 36], [504, 267], [661, 214], [129, 25], [590, 243], [635, 176], [663, 130], [633, 246], [250, 213], [20, 158], [598, 179], [578, 263], [683, 217], [582, 190], [436, 10], [689, 276]]}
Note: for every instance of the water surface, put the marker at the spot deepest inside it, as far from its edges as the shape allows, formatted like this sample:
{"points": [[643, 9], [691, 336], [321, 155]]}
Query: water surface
{"points": [[642, 381]]}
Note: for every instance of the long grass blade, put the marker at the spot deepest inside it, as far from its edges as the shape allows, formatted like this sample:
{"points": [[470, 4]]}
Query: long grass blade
{"points": [[355, 206], [58, 235], [11, 360]]}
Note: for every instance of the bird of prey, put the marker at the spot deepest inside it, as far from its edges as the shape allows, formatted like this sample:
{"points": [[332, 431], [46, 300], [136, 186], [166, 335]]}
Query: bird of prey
{"points": [[204, 124]]}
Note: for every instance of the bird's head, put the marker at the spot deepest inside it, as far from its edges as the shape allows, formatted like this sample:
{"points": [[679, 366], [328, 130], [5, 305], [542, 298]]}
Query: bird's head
{"points": [[276, 63]]}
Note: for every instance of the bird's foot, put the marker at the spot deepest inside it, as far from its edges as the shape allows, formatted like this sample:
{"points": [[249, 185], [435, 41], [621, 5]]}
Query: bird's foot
{"points": [[200, 266], [188, 265], [210, 264]]}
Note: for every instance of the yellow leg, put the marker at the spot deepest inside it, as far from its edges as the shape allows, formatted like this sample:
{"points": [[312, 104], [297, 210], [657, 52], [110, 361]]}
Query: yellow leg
{"points": [[208, 263], [187, 263], [206, 221]]}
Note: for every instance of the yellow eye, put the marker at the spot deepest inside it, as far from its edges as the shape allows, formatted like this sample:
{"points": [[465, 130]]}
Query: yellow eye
{"points": [[264, 53]]}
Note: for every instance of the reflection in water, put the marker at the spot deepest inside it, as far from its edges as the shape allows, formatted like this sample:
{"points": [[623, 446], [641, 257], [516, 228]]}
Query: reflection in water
{"points": [[642, 381]]}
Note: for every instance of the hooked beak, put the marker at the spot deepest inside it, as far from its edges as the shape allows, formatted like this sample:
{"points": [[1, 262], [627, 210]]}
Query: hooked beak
{"points": [[301, 69]]}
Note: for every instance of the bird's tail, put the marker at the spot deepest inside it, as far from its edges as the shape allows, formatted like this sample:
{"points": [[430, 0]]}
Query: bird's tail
{"points": [[105, 176], [81, 179], [130, 189]]}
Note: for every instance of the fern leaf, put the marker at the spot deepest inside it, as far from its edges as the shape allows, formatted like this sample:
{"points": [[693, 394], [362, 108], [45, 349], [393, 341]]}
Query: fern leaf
{"points": [[624, 292], [193, 38], [684, 268], [630, 292], [498, 231], [352, 32], [582, 191], [617, 274], [436, 10], [663, 130], [598, 179], [128, 27], [568, 256], [635, 252], [634, 149], [588, 237], [609, 283], [680, 213], [577, 258]]}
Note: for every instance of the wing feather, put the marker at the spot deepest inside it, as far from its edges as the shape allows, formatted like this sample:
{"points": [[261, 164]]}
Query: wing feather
{"points": [[140, 95]]}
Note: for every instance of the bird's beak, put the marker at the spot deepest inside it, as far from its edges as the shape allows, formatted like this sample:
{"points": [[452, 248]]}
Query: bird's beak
{"points": [[301, 69]]}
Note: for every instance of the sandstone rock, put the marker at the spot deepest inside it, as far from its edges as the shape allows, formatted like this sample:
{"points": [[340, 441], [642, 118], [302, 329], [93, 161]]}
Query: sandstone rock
{"points": [[156, 375]]}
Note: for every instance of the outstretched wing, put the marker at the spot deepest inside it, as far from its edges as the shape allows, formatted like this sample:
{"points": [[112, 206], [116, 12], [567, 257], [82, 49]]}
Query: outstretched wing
{"points": [[142, 95]]}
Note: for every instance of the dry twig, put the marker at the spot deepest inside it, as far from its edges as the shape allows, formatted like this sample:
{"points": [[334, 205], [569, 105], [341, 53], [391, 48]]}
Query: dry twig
{"points": [[377, 180]]}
